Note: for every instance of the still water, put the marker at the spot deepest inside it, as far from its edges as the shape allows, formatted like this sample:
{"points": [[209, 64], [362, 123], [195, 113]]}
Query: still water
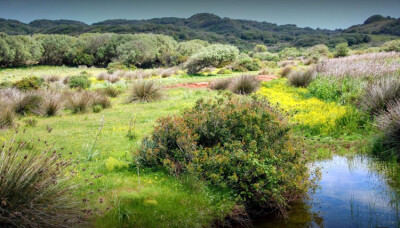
{"points": [[354, 192]]}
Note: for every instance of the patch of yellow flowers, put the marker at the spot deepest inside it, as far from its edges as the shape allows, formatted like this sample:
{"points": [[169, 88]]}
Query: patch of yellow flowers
{"points": [[308, 111]]}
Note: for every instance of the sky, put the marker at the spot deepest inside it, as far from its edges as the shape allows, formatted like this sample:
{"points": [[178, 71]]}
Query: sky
{"points": [[330, 14]]}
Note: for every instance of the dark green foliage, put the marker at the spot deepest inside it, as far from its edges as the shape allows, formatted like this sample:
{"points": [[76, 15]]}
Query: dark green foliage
{"points": [[34, 188], [244, 84], [342, 50], [145, 91], [31, 83], [301, 78], [79, 81], [237, 144], [374, 18], [248, 64]]}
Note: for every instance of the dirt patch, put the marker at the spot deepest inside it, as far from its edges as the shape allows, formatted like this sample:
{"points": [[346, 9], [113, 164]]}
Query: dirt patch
{"points": [[200, 85], [196, 85], [266, 78]]}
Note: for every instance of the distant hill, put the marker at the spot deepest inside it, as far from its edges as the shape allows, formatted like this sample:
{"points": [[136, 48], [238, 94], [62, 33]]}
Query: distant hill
{"points": [[210, 27], [377, 24]]}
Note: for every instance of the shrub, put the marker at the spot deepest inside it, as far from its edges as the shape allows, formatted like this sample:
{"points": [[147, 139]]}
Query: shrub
{"points": [[52, 78], [26, 103], [220, 84], [52, 103], [35, 192], [260, 48], [286, 71], [102, 100], [393, 45], [301, 78], [244, 84], [379, 94], [389, 124], [5, 85], [114, 66], [224, 71], [97, 108], [79, 81], [237, 144], [342, 50], [145, 91], [79, 102], [109, 91], [6, 116], [247, 64], [213, 55], [31, 83]]}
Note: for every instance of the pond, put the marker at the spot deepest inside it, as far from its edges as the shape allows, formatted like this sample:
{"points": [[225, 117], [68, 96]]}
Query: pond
{"points": [[354, 192]]}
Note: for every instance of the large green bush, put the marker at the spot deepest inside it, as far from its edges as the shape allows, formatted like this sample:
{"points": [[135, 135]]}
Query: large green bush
{"points": [[31, 83], [213, 55], [342, 50], [79, 81], [233, 143]]}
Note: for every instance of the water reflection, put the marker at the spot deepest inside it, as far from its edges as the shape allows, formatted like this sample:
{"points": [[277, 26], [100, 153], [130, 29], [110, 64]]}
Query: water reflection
{"points": [[353, 193]]}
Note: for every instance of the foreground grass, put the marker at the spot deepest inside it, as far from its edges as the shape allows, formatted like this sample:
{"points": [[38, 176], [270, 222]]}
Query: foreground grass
{"points": [[112, 192]]}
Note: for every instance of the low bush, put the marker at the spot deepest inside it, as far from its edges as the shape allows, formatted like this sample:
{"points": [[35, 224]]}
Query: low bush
{"points": [[342, 50], [34, 190], [102, 100], [97, 108], [79, 81], [389, 123], [51, 78], [301, 78], [379, 94], [6, 84], [109, 91], [244, 84], [31, 83], [224, 71], [52, 103], [220, 84], [78, 102], [6, 116], [286, 71], [247, 64], [232, 143], [114, 66], [145, 91], [27, 103]]}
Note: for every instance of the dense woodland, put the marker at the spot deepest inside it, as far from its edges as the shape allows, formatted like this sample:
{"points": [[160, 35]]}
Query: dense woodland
{"points": [[241, 33]]}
